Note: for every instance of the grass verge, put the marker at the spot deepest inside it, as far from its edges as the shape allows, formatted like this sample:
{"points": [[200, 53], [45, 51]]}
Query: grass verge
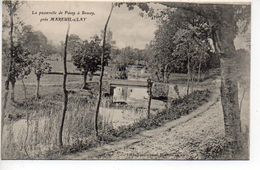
{"points": [[178, 107]]}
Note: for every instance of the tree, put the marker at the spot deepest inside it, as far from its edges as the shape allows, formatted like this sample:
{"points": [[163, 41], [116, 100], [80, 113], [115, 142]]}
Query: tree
{"points": [[121, 58], [22, 64], [74, 43], [32, 40], [174, 32], [65, 104], [37, 44], [222, 20], [39, 66], [11, 8], [5, 55], [243, 73], [104, 53], [152, 62], [118, 68], [163, 49], [193, 51], [86, 57]]}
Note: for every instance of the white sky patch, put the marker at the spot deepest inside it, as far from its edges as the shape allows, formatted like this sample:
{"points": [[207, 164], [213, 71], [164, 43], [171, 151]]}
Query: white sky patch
{"points": [[128, 27]]}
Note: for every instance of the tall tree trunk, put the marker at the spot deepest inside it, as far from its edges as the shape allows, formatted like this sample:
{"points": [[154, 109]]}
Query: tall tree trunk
{"points": [[101, 74], [149, 86], [230, 104], [12, 91], [162, 74], [85, 79], [223, 38], [37, 93], [65, 102], [165, 74], [26, 136], [199, 70], [191, 82], [158, 78], [91, 76], [188, 76], [10, 75], [24, 89], [192, 77], [3, 111]]}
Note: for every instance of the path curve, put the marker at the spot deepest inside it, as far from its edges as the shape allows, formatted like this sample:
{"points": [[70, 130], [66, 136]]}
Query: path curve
{"points": [[166, 142]]}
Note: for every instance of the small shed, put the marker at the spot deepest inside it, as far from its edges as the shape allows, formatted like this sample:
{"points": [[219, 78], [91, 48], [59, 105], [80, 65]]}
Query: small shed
{"points": [[128, 90]]}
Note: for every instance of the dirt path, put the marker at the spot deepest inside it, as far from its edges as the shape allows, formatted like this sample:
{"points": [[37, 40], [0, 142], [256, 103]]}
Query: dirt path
{"points": [[178, 139]]}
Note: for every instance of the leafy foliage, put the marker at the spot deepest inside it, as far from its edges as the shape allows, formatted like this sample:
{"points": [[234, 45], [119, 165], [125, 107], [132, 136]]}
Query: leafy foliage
{"points": [[22, 62], [122, 58], [74, 43], [86, 54], [34, 41], [30, 52], [212, 148], [178, 37], [37, 44], [15, 56], [40, 64]]}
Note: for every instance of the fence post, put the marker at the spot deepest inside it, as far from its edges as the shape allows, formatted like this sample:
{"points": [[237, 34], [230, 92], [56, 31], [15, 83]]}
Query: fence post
{"points": [[149, 88]]}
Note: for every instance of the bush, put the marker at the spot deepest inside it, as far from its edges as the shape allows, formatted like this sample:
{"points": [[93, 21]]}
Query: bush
{"points": [[160, 90], [188, 103], [212, 148]]}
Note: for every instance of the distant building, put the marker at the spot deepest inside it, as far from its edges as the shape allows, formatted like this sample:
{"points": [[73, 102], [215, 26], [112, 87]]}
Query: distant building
{"points": [[124, 91]]}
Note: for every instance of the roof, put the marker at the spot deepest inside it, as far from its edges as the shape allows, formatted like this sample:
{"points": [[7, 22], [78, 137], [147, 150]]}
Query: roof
{"points": [[128, 83]]}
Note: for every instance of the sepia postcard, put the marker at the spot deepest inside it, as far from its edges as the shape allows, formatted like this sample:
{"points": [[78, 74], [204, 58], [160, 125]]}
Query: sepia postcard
{"points": [[104, 80]]}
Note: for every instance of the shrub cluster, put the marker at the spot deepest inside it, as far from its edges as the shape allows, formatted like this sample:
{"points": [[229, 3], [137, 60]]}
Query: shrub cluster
{"points": [[212, 148], [182, 106], [160, 90]]}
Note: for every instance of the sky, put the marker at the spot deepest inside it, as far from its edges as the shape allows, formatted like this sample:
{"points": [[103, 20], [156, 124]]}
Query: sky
{"points": [[128, 27]]}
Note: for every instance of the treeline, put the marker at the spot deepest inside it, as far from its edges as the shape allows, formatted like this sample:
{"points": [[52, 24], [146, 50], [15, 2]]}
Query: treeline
{"points": [[181, 45], [25, 50]]}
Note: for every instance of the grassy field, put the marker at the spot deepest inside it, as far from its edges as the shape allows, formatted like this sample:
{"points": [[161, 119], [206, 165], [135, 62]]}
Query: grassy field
{"points": [[31, 125], [44, 121]]}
